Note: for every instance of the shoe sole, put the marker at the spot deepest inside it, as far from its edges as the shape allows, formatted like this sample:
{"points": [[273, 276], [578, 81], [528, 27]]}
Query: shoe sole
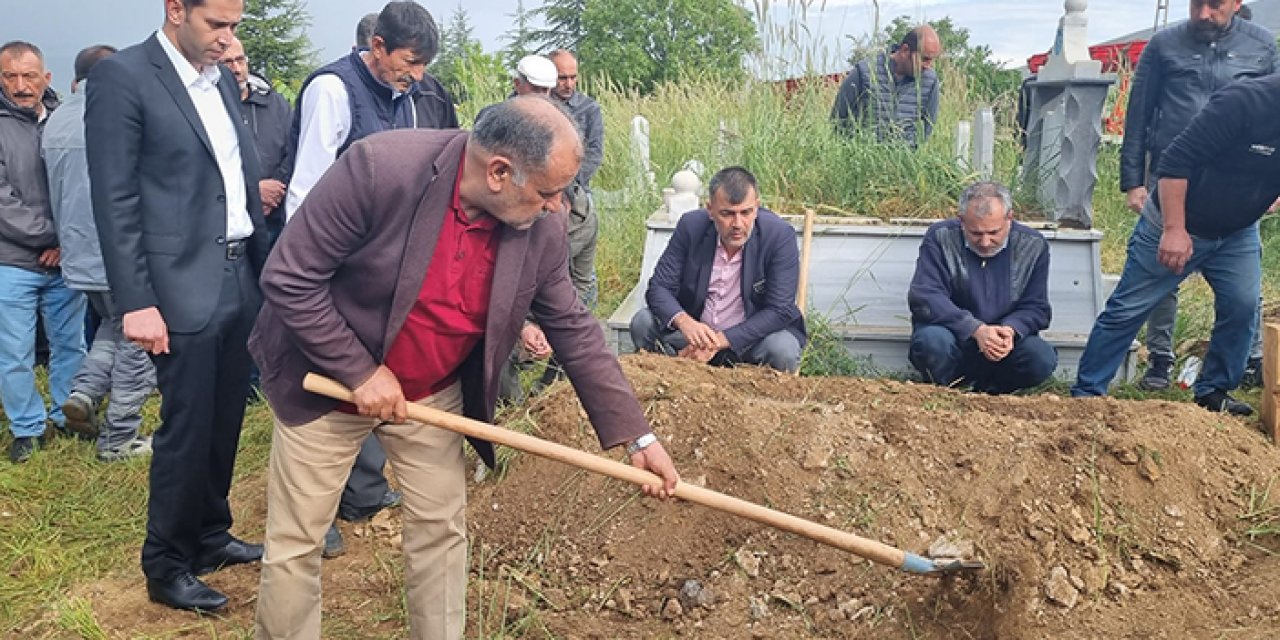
{"points": [[79, 419]]}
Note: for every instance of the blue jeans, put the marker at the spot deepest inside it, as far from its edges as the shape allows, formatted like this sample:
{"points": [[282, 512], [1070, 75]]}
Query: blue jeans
{"points": [[22, 294], [1230, 265], [944, 359]]}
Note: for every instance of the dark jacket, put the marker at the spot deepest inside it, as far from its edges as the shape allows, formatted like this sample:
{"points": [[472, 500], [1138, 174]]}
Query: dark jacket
{"points": [[960, 290], [433, 106], [268, 116], [586, 113], [770, 275], [1175, 77], [158, 196], [374, 104], [26, 222], [343, 278], [1230, 156], [896, 110]]}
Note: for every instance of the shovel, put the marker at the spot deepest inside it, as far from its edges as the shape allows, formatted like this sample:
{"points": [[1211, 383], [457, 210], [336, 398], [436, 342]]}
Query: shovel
{"points": [[872, 550]]}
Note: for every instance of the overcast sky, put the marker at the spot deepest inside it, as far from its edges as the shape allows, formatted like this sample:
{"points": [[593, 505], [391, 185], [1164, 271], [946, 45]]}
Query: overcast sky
{"points": [[1014, 29]]}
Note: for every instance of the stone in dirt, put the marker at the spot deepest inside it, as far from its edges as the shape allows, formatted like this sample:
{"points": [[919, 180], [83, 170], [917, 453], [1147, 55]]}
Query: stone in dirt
{"points": [[758, 608], [748, 562], [951, 547], [1059, 588], [693, 595], [672, 609]]}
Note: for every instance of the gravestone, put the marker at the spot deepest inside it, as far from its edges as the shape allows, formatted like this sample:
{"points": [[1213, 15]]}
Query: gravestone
{"points": [[640, 153], [1066, 103]]}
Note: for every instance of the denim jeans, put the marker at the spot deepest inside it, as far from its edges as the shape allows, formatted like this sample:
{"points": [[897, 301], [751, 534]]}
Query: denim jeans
{"points": [[1230, 265], [943, 359], [23, 294]]}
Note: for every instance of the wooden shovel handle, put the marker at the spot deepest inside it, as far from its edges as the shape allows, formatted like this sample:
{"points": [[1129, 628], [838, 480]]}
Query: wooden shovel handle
{"points": [[869, 549]]}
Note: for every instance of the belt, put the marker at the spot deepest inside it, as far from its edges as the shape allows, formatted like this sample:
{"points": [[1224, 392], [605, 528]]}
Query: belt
{"points": [[236, 249]]}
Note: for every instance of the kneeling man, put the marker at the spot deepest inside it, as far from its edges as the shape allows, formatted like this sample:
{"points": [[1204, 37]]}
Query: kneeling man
{"points": [[724, 290], [980, 297]]}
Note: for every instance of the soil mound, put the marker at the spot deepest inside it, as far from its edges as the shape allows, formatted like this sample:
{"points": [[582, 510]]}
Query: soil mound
{"points": [[1096, 518]]}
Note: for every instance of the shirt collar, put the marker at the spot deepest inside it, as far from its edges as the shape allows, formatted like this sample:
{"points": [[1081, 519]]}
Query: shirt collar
{"points": [[187, 73]]}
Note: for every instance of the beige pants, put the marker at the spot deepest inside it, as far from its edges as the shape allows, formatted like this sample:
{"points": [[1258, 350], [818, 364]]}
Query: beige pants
{"points": [[308, 467]]}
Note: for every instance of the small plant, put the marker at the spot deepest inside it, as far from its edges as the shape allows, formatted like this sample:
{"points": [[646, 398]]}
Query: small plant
{"points": [[1261, 517]]}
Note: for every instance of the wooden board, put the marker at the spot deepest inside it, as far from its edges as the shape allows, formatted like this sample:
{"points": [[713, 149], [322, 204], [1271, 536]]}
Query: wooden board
{"points": [[1271, 379]]}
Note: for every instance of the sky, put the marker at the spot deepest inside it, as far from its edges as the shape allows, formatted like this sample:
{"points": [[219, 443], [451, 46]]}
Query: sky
{"points": [[1014, 29]]}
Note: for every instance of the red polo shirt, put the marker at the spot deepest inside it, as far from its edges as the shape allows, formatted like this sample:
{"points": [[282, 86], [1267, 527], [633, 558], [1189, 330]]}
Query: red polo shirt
{"points": [[448, 318]]}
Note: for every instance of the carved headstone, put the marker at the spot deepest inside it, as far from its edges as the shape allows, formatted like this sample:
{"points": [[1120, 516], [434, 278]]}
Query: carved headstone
{"points": [[984, 142], [682, 196], [640, 151], [1065, 128]]}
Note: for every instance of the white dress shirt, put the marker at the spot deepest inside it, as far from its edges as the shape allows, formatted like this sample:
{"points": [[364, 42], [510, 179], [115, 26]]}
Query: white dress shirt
{"points": [[202, 86], [325, 125]]}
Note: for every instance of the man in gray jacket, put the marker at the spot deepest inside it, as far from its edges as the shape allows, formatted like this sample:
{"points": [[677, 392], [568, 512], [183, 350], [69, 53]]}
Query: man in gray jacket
{"points": [[30, 281], [1179, 69], [896, 95], [114, 365]]}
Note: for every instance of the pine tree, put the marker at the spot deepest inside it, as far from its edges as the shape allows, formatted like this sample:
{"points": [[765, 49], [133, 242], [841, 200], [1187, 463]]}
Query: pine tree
{"points": [[274, 36]]}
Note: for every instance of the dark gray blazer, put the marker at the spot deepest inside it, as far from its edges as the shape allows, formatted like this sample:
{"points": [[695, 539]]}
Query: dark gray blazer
{"points": [[348, 268], [158, 196]]}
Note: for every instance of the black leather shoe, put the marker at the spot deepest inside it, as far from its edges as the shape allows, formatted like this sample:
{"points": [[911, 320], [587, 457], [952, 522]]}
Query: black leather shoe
{"points": [[389, 500], [185, 591], [236, 552], [1222, 402]]}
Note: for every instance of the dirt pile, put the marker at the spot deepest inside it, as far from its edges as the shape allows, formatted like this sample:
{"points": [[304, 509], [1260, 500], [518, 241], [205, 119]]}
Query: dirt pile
{"points": [[1097, 518]]}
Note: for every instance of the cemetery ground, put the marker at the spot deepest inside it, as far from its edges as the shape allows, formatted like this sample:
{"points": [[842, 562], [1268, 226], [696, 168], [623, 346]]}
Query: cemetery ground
{"points": [[1138, 516], [1096, 519]]}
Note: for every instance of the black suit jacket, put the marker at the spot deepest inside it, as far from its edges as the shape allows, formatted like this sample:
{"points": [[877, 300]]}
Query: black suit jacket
{"points": [[158, 196]]}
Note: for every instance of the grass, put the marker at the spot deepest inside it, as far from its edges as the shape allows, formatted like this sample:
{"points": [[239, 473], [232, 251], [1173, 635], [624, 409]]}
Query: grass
{"points": [[65, 519]]}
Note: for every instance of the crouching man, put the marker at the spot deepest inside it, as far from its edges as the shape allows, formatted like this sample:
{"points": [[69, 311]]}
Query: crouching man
{"points": [[724, 290], [980, 297]]}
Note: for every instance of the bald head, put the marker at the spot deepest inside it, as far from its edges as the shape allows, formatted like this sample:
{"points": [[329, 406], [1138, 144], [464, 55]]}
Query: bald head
{"points": [[917, 52]]}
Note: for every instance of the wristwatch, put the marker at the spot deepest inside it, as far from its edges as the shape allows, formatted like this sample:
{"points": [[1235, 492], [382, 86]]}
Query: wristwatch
{"points": [[641, 443]]}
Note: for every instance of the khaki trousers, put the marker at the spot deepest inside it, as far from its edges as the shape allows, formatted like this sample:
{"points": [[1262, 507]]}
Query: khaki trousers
{"points": [[307, 470]]}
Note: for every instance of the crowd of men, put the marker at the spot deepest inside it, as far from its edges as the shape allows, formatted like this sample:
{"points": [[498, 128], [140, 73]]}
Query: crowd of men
{"points": [[229, 240]]}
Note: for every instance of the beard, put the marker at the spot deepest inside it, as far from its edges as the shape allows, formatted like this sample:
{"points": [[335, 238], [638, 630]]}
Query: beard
{"points": [[1208, 31]]}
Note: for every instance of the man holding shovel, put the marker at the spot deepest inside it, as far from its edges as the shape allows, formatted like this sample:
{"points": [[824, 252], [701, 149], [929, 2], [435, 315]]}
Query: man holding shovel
{"points": [[407, 278]]}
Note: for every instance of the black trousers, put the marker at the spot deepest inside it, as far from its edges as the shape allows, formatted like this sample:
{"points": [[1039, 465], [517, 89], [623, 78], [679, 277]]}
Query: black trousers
{"points": [[202, 381]]}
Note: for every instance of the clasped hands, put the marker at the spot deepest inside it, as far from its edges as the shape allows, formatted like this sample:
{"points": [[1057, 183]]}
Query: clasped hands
{"points": [[995, 341], [703, 341]]}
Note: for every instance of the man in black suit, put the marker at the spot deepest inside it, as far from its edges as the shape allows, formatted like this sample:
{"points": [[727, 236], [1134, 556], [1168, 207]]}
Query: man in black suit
{"points": [[175, 196]]}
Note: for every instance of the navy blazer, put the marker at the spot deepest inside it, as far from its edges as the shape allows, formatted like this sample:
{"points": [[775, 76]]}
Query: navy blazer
{"points": [[770, 275], [158, 196]]}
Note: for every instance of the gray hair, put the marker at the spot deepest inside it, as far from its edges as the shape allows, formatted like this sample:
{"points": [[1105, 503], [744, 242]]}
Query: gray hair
{"points": [[511, 129], [979, 196], [15, 47], [364, 31], [734, 183]]}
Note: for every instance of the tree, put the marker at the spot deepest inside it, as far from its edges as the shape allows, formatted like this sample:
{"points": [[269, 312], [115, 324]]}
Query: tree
{"points": [[984, 76], [642, 43], [462, 61], [274, 36], [521, 37], [564, 25]]}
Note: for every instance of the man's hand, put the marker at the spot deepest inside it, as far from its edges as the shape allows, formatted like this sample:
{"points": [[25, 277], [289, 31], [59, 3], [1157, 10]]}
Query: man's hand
{"points": [[272, 192], [381, 397], [701, 355], [699, 335], [50, 258], [654, 458], [146, 328], [535, 341], [1005, 346], [1175, 250], [1135, 198]]}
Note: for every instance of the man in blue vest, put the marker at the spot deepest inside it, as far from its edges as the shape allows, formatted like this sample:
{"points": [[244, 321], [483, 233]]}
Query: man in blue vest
{"points": [[896, 94], [362, 93]]}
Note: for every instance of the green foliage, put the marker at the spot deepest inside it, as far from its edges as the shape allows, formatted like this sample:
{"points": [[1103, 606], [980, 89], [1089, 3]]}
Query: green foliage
{"points": [[274, 36], [640, 44], [521, 39], [564, 25], [462, 58]]}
